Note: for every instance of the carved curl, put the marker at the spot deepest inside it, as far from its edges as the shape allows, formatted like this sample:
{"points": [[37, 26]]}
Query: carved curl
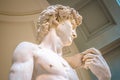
{"points": [[52, 16]]}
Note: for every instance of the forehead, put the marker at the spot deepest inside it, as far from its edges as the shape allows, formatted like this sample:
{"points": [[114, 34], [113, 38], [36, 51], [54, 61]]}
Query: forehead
{"points": [[68, 23], [72, 22]]}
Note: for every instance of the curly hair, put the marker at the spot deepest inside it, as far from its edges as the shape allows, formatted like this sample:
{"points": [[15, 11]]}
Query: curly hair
{"points": [[52, 16]]}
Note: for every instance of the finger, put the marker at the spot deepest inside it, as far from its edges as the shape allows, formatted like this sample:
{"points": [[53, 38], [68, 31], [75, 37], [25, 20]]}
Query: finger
{"points": [[87, 65], [90, 50], [93, 51], [90, 64], [89, 56], [90, 60]]}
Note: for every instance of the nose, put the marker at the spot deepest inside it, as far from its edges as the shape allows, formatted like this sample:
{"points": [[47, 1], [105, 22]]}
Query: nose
{"points": [[74, 34]]}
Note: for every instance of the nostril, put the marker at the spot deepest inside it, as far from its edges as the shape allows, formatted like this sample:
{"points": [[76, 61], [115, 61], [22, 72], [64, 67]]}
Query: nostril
{"points": [[74, 35]]}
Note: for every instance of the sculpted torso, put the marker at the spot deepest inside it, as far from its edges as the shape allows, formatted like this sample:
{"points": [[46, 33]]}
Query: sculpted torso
{"points": [[52, 66], [44, 61], [47, 64]]}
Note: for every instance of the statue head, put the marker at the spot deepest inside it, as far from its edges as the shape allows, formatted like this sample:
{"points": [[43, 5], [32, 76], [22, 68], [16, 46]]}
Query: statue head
{"points": [[54, 15]]}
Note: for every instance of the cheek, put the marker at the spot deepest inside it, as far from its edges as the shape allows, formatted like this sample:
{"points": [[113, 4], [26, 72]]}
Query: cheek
{"points": [[66, 32], [62, 33]]}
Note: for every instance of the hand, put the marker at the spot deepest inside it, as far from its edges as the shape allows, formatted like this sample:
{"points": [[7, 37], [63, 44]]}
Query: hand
{"points": [[94, 61], [75, 61]]}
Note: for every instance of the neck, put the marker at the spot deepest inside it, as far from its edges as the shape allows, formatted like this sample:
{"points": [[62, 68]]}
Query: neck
{"points": [[52, 42]]}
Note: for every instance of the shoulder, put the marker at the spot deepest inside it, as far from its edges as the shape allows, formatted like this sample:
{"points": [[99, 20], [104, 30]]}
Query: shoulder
{"points": [[24, 51], [31, 48], [26, 45], [23, 46]]}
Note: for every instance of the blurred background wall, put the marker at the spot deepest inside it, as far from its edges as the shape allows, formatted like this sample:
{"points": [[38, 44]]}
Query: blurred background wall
{"points": [[100, 29]]}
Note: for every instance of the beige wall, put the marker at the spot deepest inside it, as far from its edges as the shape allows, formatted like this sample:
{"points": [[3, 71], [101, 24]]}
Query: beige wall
{"points": [[16, 25], [12, 34]]}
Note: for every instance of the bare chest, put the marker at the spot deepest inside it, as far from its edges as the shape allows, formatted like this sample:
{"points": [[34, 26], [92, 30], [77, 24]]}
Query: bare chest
{"points": [[49, 62]]}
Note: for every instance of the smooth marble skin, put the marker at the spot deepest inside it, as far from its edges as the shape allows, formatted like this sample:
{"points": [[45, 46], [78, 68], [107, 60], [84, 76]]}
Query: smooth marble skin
{"points": [[44, 61]]}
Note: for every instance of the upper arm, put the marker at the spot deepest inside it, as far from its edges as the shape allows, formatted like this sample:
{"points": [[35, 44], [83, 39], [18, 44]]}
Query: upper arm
{"points": [[23, 63], [23, 52]]}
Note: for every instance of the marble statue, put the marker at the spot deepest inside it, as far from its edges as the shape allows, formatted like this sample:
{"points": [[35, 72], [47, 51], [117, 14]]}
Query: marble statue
{"points": [[56, 28]]}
